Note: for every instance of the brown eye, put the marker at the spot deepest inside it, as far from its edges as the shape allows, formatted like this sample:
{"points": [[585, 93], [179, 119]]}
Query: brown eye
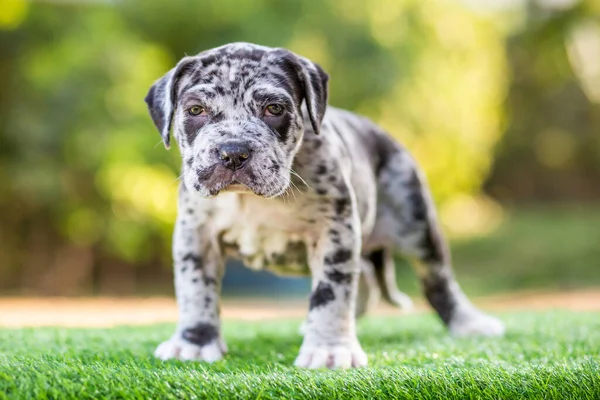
{"points": [[273, 110], [195, 110]]}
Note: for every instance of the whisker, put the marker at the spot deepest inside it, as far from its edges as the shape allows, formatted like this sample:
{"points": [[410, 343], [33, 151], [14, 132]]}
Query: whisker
{"points": [[292, 189], [286, 194], [299, 177], [289, 190], [174, 180]]}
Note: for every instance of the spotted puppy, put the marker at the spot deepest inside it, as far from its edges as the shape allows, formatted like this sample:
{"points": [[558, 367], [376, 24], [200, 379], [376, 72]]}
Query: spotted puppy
{"points": [[274, 177]]}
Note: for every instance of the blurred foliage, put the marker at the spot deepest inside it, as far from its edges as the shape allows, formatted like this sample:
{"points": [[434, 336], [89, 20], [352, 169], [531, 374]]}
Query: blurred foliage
{"points": [[89, 194], [551, 148]]}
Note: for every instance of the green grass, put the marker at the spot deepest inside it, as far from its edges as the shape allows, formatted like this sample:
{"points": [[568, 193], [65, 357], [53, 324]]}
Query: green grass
{"points": [[544, 355]]}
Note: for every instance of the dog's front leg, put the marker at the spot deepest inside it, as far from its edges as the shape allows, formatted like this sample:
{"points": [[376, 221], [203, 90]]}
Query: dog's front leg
{"points": [[330, 334], [198, 271]]}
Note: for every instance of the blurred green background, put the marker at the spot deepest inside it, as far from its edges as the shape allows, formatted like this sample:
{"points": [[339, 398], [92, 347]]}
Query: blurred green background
{"points": [[498, 99]]}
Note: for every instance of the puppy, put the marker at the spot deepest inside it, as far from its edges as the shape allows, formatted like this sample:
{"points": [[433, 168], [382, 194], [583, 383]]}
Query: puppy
{"points": [[273, 176]]}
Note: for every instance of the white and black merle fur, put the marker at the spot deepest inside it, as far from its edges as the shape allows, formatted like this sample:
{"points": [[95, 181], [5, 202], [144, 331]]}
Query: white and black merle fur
{"points": [[274, 177]]}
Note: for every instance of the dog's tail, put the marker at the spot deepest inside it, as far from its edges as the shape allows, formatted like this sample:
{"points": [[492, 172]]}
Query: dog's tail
{"points": [[385, 274]]}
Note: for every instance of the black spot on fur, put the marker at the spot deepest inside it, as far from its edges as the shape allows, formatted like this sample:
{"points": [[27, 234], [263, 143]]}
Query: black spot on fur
{"points": [[321, 191], [219, 90], [439, 294], [347, 294], [335, 236], [341, 205], [435, 252], [208, 280], [249, 83], [201, 334], [416, 198], [337, 276], [210, 95], [250, 174], [280, 125], [192, 125], [264, 98], [322, 295], [288, 67], [342, 188], [195, 259], [190, 211], [246, 54], [204, 174], [321, 169], [218, 117], [339, 257]]}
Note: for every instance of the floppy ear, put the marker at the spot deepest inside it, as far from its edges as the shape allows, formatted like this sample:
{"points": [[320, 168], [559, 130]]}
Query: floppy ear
{"points": [[314, 80], [314, 84], [162, 98]]}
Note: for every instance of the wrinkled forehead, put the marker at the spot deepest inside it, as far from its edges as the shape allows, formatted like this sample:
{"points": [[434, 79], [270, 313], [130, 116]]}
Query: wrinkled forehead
{"points": [[240, 73]]}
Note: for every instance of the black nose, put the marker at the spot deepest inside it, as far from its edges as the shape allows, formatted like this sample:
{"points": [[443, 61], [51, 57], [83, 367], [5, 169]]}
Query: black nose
{"points": [[233, 155]]}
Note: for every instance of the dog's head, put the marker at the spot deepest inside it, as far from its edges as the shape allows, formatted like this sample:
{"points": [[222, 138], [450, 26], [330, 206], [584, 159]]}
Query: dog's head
{"points": [[236, 113]]}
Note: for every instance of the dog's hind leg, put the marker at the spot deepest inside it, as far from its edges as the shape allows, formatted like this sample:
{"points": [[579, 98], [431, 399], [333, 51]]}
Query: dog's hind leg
{"points": [[415, 232], [377, 280], [369, 293]]}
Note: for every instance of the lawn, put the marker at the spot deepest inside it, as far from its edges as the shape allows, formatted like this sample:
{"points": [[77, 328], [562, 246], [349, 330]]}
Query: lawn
{"points": [[553, 354]]}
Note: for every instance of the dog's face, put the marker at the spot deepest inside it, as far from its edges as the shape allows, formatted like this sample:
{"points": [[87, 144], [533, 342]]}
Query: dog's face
{"points": [[236, 115]]}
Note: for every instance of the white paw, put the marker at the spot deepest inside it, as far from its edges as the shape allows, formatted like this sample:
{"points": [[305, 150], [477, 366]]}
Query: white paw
{"points": [[177, 348], [476, 323], [340, 356], [403, 301]]}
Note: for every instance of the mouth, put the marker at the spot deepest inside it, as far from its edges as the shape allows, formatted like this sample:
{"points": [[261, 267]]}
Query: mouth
{"points": [[237, 187], [215, 180], [220, 180]]}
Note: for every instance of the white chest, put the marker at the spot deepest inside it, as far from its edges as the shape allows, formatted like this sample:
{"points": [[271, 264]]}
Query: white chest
{"points": [[263, 233]]}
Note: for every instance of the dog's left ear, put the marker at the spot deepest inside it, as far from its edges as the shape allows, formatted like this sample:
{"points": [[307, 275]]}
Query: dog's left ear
{"points": [[162, 98], [314, 83], [315, 90]]}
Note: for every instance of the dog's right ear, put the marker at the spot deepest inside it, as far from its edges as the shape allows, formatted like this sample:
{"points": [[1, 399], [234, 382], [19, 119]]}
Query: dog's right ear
{"points": [[313, 80], [162, 98]]}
